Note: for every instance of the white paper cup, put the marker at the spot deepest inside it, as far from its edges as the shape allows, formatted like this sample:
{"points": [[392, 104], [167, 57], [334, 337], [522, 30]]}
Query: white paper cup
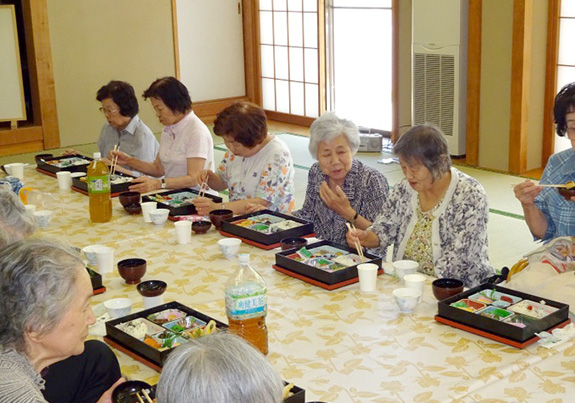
{"points": [[230, 247], [43, 217], [415, 281], [30, 207], [105, 259], [405, 267], [151, 302], [146, 208], [183, 231], [16, 169], [90, 253], [367, 276], [406, 299], [64, 180], [118, 307]]}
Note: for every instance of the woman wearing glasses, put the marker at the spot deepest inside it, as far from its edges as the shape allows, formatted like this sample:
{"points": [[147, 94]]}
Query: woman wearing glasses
{"points": [[186, 146], [547, 213]]}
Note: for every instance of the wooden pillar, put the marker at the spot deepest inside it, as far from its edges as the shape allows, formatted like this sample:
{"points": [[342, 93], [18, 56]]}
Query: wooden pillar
{"points": [[520, 72], [473, 82]]}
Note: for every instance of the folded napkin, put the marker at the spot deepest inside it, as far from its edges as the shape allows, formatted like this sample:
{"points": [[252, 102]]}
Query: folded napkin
{"points": [[556, 337]]}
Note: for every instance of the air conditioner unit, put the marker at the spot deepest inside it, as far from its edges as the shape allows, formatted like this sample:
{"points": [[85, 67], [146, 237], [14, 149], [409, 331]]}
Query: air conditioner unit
{"points": [[439, 68]]}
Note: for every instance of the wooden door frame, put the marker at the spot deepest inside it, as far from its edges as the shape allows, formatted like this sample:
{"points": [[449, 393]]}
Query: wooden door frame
{"points": [[43, 132], [548, 129]]}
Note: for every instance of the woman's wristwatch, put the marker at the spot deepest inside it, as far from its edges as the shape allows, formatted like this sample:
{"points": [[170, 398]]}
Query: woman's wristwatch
{"points": [[163, 185]]}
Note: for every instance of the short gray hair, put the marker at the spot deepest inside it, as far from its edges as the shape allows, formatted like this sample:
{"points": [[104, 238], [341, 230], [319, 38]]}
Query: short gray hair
{"points": [[425, 144], [37, 285], [220, 367], [327, 127], [15, 221]]}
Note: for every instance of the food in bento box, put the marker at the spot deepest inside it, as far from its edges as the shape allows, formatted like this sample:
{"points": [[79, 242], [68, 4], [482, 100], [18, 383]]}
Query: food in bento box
{"points": [[267, 223], [166, 316], [496, 313], [138, 328], [174, 199], [468, 305], [532, 309], [68, 162], [326, 258]]}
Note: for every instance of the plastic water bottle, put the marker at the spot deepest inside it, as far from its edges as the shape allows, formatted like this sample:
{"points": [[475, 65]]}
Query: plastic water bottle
{"points": [[98, 179], [246, 304]]}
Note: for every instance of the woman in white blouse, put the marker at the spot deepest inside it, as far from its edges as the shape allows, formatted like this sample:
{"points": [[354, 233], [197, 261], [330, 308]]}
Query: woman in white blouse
{"points": [[186, 146], [436, 216]]}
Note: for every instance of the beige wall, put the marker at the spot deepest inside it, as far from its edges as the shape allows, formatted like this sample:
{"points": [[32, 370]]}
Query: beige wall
{"points": [[496, 38], [95, 41]]}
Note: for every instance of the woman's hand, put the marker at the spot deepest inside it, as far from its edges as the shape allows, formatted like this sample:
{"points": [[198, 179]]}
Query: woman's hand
{"points": [[71, 151], [107, 396], [123, 158], [203, 176], [336, 200], [526, 192], [204, 205], [253, 207], [145, 184], [355, 236]]}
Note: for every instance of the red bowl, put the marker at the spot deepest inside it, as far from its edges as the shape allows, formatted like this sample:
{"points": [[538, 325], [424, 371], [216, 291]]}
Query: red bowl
{"points": [[132, 270], [446, 287], [217, 216]]}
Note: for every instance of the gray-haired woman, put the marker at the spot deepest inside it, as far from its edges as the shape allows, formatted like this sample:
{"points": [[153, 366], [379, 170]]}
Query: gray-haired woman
{"points": [[16, 222], [45, 309], [436, 216], [220, 368], [340, 188]]}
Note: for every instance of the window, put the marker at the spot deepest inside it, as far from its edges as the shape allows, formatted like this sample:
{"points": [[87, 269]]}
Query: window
{"points": [[290, 56]]}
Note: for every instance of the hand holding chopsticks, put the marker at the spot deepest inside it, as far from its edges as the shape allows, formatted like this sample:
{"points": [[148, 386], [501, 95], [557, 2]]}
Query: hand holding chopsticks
{"points": [[357, 244], [114, 161]]}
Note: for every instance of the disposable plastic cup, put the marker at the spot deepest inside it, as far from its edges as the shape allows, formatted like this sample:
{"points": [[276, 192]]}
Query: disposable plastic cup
{"points": [[146, 208], [151, 302], [17, 170], [64, 180], [183, 231], [105, 259], [367, 276], [416, 281]]}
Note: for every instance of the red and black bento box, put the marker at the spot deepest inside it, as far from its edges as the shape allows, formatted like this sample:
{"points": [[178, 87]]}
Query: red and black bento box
{"points": [[325, 264], [119, 183], [149, 336], [502, 314], [72, 163], [265, 228], [96, 280], [178, 201]]}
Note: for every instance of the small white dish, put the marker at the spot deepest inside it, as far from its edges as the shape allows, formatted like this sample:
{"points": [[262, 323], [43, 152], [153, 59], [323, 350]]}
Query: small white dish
{"points": [[118, 307], [159, 216]]}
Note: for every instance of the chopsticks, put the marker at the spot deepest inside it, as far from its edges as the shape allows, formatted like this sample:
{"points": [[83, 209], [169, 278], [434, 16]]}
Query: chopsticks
{"points": [[115, 160], [148, 399], [357, 244], [202, 186]]}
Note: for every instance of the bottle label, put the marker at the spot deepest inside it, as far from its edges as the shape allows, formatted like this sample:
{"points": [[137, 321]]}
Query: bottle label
{"points": [[240, 307], [99, 184]]}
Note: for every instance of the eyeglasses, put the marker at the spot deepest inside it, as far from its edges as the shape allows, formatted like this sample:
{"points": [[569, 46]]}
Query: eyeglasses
{"points": [[108, 111]]}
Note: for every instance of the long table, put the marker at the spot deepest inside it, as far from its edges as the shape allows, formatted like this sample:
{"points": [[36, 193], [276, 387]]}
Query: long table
{"points": [[341, 345]]}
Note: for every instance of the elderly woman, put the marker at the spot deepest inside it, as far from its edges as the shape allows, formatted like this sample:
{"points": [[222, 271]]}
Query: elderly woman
{"points": [[45, 308], [221, 368], [123, 127], [186, 146], [547, 214], [340, 188], [436, 216], [16, 222], [257, 169]]}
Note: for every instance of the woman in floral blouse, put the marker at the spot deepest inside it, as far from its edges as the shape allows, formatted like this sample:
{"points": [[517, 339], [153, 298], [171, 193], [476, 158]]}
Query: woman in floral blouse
{"points": [[436, 216], [257, 169], [340, 188]]}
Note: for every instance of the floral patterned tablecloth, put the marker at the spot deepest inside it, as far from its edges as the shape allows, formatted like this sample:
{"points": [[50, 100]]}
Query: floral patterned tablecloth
{"points": [[341, 345]]}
